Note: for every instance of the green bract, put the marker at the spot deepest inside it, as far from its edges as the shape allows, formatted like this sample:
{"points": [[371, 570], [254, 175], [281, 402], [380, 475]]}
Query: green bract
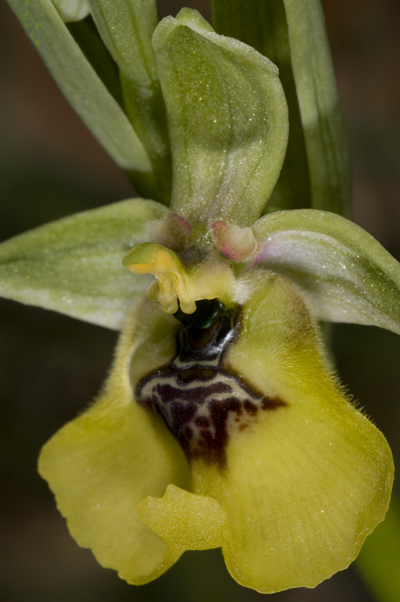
{"points": [[222, 423], [86, 92]]}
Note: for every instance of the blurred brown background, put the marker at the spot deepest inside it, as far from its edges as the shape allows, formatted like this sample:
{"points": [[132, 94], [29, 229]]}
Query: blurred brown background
{"points": [[52, 366]]}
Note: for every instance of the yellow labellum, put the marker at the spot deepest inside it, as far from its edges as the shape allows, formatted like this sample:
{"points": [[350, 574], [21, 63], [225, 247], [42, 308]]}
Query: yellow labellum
{"points": [[306, 478]]}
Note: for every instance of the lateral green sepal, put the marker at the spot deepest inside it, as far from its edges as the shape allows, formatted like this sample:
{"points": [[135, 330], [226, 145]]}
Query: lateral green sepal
{"points": [[74, 265], [347, 275]]}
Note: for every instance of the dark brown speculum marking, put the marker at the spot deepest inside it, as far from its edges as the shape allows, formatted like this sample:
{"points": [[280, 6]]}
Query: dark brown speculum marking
{"points": [[200, 401]]}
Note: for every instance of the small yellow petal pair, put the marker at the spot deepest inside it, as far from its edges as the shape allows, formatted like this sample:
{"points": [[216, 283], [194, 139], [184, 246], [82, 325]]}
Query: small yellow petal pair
{"points": [[180, 279], [207, 436]]}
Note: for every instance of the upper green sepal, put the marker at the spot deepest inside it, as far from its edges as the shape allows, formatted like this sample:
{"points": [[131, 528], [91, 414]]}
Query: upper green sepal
{"points": [[347, 275], [227, 117], [74, 265]]}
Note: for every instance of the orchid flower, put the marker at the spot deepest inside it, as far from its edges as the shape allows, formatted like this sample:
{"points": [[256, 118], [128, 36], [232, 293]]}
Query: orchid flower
{"points": [[222, 422]]}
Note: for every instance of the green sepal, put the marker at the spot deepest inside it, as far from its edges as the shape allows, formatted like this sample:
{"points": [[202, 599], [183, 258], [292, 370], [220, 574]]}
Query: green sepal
{"points": [[347, 275], [74, 265], [263, 26], [83, 88], [227, 117], [126, 27]]}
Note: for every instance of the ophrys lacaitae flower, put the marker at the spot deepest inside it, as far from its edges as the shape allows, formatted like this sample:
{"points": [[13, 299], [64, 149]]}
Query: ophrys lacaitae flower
{"points": [[222, 423]]}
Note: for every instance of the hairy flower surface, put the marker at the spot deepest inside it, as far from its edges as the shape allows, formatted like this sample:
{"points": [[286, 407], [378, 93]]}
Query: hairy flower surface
{"points": [[222, 423]]}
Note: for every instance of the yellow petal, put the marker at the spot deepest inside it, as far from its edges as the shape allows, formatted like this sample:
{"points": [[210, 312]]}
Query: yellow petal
{"points": [[185, 520], [306, 482], [101, 465], [188, 276]]}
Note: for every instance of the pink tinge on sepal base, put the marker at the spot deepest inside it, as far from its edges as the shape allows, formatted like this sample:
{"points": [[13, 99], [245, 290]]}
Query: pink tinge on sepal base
{"points": [[172, 232], [262, 252], [235, 243], [270, 248]]}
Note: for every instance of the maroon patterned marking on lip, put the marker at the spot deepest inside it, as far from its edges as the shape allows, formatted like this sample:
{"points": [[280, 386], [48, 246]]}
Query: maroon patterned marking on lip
{"points": [[188, 432], [202, 421], [170, 393], [201, 417], [199, 400], [250, 407]]}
